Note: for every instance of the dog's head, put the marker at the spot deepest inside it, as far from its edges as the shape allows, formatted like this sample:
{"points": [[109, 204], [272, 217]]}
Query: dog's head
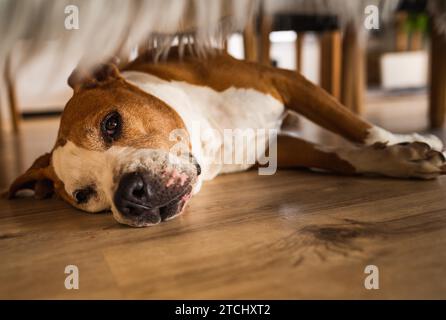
{"points": [[118, 148]]}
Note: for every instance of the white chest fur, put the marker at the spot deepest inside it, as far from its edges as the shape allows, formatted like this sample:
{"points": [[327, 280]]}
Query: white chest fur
{"points": [[209, 114]]}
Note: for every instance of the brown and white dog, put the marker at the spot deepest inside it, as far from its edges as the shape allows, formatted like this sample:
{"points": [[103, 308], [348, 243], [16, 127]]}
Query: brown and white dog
{"points": [[116, 148]]}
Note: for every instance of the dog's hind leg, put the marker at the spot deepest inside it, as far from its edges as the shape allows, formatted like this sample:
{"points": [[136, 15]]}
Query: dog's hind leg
{"points": [[405, 160], [316, 104], [294, 152]]}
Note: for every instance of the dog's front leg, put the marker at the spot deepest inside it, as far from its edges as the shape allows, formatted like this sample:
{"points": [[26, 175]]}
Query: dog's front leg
{"points": [[302, 96]]}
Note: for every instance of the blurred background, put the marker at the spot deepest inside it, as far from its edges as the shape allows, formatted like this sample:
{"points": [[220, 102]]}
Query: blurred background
{"points": [[332, 48], [383, 59]]}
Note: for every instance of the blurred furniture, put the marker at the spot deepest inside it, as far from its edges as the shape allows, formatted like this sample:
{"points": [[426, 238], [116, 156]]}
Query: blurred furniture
{"points": [[411, 25], [341, 58], [353, 83], [437, 94], [330, 41], [11, 97]]}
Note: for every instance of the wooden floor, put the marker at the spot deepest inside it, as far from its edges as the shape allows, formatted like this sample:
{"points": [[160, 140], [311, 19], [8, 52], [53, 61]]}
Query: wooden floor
{"points": [[293, 235]]}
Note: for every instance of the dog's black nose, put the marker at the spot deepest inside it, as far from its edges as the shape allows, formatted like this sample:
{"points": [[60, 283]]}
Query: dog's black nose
{"points": [[133, 195], [146, 195]]}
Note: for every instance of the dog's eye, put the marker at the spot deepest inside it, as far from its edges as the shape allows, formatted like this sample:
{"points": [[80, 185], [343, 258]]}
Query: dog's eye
{"points": [[111, 126], [83, 195]]}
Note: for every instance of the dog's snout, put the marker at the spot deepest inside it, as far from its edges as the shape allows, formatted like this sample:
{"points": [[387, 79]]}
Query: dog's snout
{"points": [[152, 196]]}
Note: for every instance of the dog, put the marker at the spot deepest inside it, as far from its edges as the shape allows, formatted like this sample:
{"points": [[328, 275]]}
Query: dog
{"points": [[117, 143]]}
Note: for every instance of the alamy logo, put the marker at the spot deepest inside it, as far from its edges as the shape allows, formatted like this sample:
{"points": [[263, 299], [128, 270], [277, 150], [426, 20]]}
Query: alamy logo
{"points": [[72, 17], [72, 280], [372, 280], [372, 19], [244, 147]]}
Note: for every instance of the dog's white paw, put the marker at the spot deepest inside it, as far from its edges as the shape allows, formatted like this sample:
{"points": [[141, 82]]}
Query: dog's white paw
{"points": [[402, 160], [431, 140], [379, 135]]}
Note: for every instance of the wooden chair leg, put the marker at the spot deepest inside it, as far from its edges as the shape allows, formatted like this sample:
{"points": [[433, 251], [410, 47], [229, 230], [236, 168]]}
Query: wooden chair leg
{"points": [[265, 45], [11, 95], [330, 67], [437, 95], [1, 119], [353, 71], [299, 50], [250, 40], [401, 35], [225, 45], [416, 41]]}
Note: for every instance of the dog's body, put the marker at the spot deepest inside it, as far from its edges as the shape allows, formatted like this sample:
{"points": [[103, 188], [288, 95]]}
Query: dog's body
{"points": [[120, 131], [208, 113]]}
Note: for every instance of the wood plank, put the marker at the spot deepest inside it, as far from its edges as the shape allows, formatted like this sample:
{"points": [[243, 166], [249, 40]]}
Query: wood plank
{"points": [[279, 231]]}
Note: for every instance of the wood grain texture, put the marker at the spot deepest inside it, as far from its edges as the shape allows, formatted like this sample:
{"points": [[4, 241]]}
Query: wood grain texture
{"points": [[293, 235]]}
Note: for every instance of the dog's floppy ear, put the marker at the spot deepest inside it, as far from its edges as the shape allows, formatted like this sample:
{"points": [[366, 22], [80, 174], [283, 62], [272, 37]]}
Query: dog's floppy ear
{"points": [[39, 177], [89, 78]]}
